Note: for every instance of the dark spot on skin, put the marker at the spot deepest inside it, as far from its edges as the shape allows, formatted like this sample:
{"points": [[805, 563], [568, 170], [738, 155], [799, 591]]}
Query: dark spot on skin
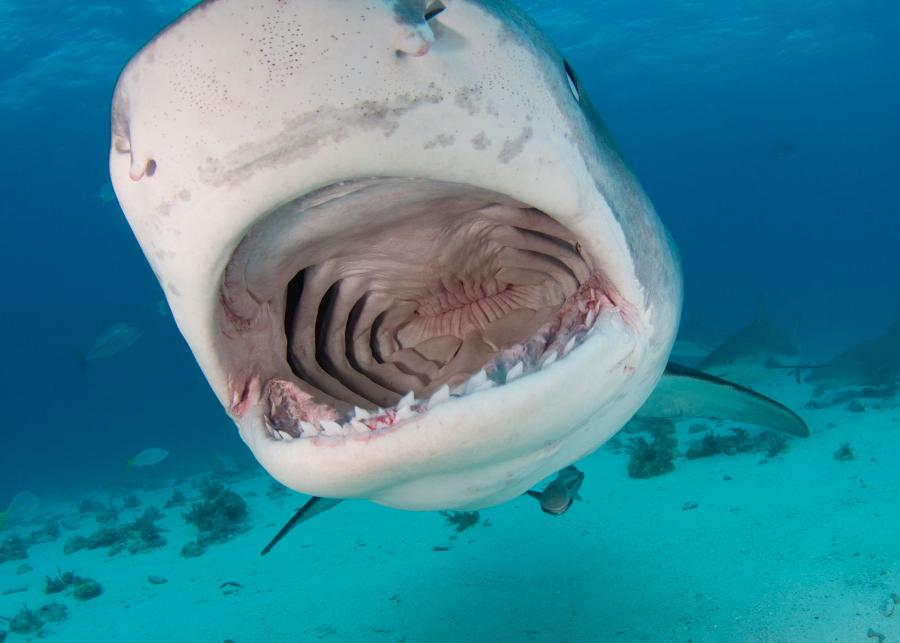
{"points": [[150, 169], [441, 140], [513, 147], [174, 289], [481, 142]]}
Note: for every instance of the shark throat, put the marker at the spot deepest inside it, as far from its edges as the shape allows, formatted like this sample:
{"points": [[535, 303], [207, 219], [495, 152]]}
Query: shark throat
{"points": [[366, 303]]}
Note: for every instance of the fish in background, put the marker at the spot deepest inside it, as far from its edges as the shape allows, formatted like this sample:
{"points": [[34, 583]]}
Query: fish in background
{"points": [[756, 353], [226, 463], [115, 339], [560, 493], [873, 362], [22, 505], [148, 457]]}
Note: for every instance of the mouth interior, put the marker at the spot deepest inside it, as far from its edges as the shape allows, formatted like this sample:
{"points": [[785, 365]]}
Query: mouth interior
{"points": [[361, 306]]}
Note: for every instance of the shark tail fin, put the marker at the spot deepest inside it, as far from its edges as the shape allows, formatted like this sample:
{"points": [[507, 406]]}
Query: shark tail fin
{"points": [[685, 392]]}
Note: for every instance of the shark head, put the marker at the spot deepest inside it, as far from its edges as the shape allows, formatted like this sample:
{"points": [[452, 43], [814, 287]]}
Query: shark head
{"points": [[400, 244]]}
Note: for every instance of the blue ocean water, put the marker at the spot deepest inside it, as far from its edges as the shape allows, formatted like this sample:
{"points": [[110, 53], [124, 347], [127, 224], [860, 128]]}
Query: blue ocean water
{"points": [[766, 134]]}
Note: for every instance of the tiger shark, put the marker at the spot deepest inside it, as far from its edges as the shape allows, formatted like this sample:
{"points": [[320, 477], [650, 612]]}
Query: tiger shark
{"points": [[401, 245]]}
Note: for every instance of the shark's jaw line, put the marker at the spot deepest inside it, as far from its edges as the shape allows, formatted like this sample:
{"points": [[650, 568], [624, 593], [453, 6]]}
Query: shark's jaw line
{"points": [[357, 309]]}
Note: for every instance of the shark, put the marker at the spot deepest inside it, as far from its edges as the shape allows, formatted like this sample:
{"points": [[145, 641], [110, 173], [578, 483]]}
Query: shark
{"points": [[755, 353], [872, 362], [401, 245]]}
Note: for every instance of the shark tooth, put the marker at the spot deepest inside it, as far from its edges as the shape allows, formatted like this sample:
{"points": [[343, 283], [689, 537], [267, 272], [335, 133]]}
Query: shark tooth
{"points": [[284, 436], [549, 360], [569, 346], [360, 414], [407, 400], [331, 428], [309, 429], [589, 320], [358, 427], [405, 413], [476, 382], [440, 395], [515, 372]]}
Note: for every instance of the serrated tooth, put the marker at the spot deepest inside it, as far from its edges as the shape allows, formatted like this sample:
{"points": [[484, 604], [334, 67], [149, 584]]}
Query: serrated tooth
{"points": [[590, 319], [476, 381], [550, 359], [358, 427], [515, 372], [284, 436], [440, 395], [406, 400], [331, 428], [360, 414], [569, 346], [309, 429], [275, 434], [489, 384], [405, 413]]}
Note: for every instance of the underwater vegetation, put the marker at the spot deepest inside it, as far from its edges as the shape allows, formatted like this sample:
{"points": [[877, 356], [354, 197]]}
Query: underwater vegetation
{"points": [[462, 520], [650, 459], [713, 444], [141, 535], [740, 441], [26, 621], [13, 547], [844, 453], [177, 499], [220, 514]]}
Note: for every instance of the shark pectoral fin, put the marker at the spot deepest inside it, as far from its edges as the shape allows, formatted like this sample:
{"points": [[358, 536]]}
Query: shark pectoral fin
{"points": [[313, 507], [685, 392], [534, 494], [577, 496]]}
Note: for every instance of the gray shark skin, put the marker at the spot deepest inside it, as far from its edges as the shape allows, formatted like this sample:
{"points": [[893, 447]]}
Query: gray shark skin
{"points": [[874, 362], [400, 243], [753, 354]]}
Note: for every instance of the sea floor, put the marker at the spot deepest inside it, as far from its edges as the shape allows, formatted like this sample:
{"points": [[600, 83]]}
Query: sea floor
{"points": [[800, 547]]}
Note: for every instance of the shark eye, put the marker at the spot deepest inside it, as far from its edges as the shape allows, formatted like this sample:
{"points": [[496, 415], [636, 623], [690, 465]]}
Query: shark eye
{"points": [[573, 80], [434, 10]]}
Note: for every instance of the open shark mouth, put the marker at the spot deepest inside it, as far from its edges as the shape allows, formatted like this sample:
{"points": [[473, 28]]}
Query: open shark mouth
{"points": [[353, 310]]}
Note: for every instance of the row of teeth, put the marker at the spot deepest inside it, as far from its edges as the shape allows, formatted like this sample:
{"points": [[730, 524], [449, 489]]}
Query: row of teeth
{"points": [[365, 422]]}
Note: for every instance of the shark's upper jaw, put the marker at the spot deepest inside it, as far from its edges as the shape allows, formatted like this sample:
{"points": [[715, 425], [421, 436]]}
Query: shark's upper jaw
{"points": [[354, 312]]}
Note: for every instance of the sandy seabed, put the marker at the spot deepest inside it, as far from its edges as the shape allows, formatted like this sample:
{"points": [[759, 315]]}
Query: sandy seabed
{"points": [[801, 547]]}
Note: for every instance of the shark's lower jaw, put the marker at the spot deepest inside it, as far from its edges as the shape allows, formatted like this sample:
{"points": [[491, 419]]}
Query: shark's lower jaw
{"points": [[354, 312]]}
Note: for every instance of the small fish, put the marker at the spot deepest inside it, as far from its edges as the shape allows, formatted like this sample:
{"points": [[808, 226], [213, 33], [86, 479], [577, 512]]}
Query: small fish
{"points": [[558, 496], [227, 464], [148, 457], [115, 339]]}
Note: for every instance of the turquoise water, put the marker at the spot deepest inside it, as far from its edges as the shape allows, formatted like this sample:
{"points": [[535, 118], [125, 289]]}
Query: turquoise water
{"points": [[765, 134]]}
